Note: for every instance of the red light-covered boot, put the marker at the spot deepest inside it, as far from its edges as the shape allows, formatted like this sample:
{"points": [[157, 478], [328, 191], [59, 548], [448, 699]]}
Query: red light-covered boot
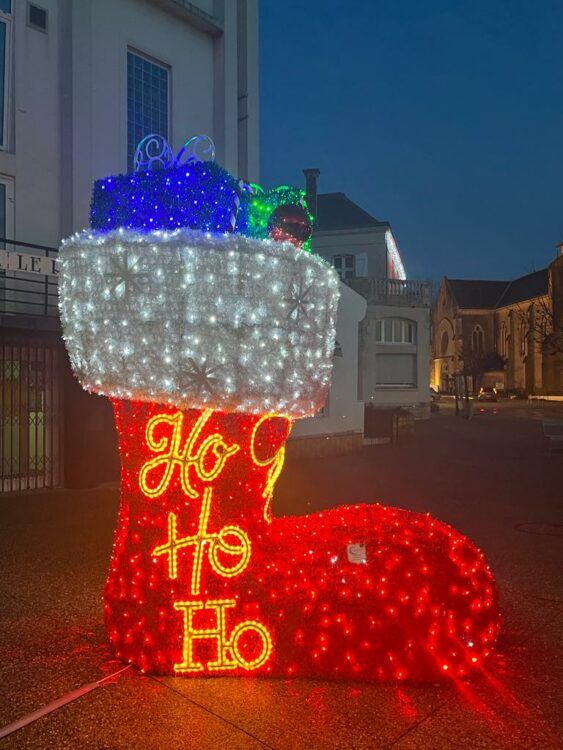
{"points": [[204, 581]]}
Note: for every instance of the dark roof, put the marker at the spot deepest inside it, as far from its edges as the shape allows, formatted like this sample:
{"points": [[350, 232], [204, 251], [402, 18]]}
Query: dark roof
{"points": [[477, 293], [337, 211], [533, 285], [492, 294]]}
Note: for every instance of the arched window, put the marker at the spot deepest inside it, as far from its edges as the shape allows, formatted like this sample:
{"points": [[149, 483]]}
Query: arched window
{"points": [[503, 340], [524, 336], [444, 342], [478, 340], [395, 331]]}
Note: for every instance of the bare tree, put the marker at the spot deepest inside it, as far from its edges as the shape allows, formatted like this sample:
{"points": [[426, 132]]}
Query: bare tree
{"points": [[541, 326]]}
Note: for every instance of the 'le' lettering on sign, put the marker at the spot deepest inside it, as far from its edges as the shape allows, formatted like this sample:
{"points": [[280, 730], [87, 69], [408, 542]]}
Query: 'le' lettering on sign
{"points": [[38, 264]]}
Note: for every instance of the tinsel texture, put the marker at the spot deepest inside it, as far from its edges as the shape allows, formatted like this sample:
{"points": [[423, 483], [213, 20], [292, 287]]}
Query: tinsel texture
{"points": [[258, 211], [199, 320], [198, 195]]}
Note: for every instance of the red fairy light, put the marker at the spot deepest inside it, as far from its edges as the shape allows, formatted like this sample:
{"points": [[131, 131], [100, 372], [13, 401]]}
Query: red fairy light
{"points": [[204, 581]]}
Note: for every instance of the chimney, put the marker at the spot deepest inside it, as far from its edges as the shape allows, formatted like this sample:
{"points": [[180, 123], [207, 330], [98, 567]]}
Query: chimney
{"points": [[311, 189]]}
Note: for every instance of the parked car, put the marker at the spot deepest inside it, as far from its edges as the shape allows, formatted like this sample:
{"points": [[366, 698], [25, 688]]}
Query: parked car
{"points": [[487, 393]]}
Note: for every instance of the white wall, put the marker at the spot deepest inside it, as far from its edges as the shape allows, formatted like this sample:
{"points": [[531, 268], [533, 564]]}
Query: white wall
{"points": [[370, 241], [343, 411], [33, 154], [417, 397], [68, 98]]}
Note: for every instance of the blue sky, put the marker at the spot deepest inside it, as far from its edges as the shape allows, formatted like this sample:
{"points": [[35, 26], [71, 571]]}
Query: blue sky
{"points": [[444, 118]]}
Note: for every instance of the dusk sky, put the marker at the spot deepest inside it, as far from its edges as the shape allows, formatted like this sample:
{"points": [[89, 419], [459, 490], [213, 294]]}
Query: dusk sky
{"points": [[443, 117]]}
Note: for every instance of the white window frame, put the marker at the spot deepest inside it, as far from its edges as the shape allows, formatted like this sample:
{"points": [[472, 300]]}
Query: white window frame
{"points": [[341, 266], [7, 20], [402, 339]]}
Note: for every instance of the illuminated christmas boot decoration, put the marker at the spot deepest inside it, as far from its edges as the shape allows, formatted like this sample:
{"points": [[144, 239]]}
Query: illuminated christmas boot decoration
{"points": [[210, 343], [203, 580]]}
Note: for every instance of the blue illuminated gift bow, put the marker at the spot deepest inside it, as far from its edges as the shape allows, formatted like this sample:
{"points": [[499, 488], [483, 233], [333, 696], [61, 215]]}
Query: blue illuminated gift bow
{"points": [[168, 192], [154, 151]]}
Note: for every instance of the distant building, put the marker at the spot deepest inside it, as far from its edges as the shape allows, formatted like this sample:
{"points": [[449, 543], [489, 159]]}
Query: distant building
{"points": [[506, 334], [394, 336], [82, 82], [369, 249]]}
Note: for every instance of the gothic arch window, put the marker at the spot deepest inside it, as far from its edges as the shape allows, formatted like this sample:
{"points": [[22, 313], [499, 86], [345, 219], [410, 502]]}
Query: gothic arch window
{"points": [[503, 340], [524, 335], [478, 340], [444, 343]]}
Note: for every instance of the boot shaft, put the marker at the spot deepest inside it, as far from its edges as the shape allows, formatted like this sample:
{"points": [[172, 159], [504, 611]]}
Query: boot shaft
{"points": [[171, 460]]}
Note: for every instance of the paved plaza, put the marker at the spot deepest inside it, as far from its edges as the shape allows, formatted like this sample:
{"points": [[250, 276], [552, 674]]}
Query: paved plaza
{"points": [[491, 477]]}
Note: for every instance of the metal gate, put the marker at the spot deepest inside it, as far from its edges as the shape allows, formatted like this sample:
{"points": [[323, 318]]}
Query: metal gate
{"points": [[379, 423], [31, 445]]}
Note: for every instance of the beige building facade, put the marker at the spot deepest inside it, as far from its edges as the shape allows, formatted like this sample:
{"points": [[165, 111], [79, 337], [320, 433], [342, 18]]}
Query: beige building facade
{"points": [[505, 334]]}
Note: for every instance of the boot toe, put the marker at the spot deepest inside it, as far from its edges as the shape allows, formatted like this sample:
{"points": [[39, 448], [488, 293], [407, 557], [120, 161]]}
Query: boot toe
{"points": [[374, 592]]}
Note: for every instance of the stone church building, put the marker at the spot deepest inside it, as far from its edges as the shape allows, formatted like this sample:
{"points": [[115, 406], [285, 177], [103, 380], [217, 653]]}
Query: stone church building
{"points": [[507, 334]]}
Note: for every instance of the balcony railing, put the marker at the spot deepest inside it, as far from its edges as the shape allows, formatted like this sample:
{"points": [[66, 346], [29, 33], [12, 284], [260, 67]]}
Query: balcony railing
{"points": [[28, 279], [393, 291]]}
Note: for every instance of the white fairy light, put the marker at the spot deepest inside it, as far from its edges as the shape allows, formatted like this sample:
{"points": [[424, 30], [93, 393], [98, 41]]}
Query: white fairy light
{"points": [[199, 320], [393, 251]]}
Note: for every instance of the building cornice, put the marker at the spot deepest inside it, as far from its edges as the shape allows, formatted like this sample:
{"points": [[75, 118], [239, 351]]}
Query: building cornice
{"points": [[193, 15]]}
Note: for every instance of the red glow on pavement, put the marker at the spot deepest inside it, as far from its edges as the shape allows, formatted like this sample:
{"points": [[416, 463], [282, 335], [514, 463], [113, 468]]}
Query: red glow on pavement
{"points": [[406, 705]]}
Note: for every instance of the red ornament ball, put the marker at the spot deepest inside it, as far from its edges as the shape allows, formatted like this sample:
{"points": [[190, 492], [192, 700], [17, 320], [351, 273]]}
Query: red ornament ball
{"points": [[290, 223]]}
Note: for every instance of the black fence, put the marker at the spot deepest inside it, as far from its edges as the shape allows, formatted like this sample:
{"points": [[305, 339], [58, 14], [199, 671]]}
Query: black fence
{"points": [[391, 424], [31, 430]]}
